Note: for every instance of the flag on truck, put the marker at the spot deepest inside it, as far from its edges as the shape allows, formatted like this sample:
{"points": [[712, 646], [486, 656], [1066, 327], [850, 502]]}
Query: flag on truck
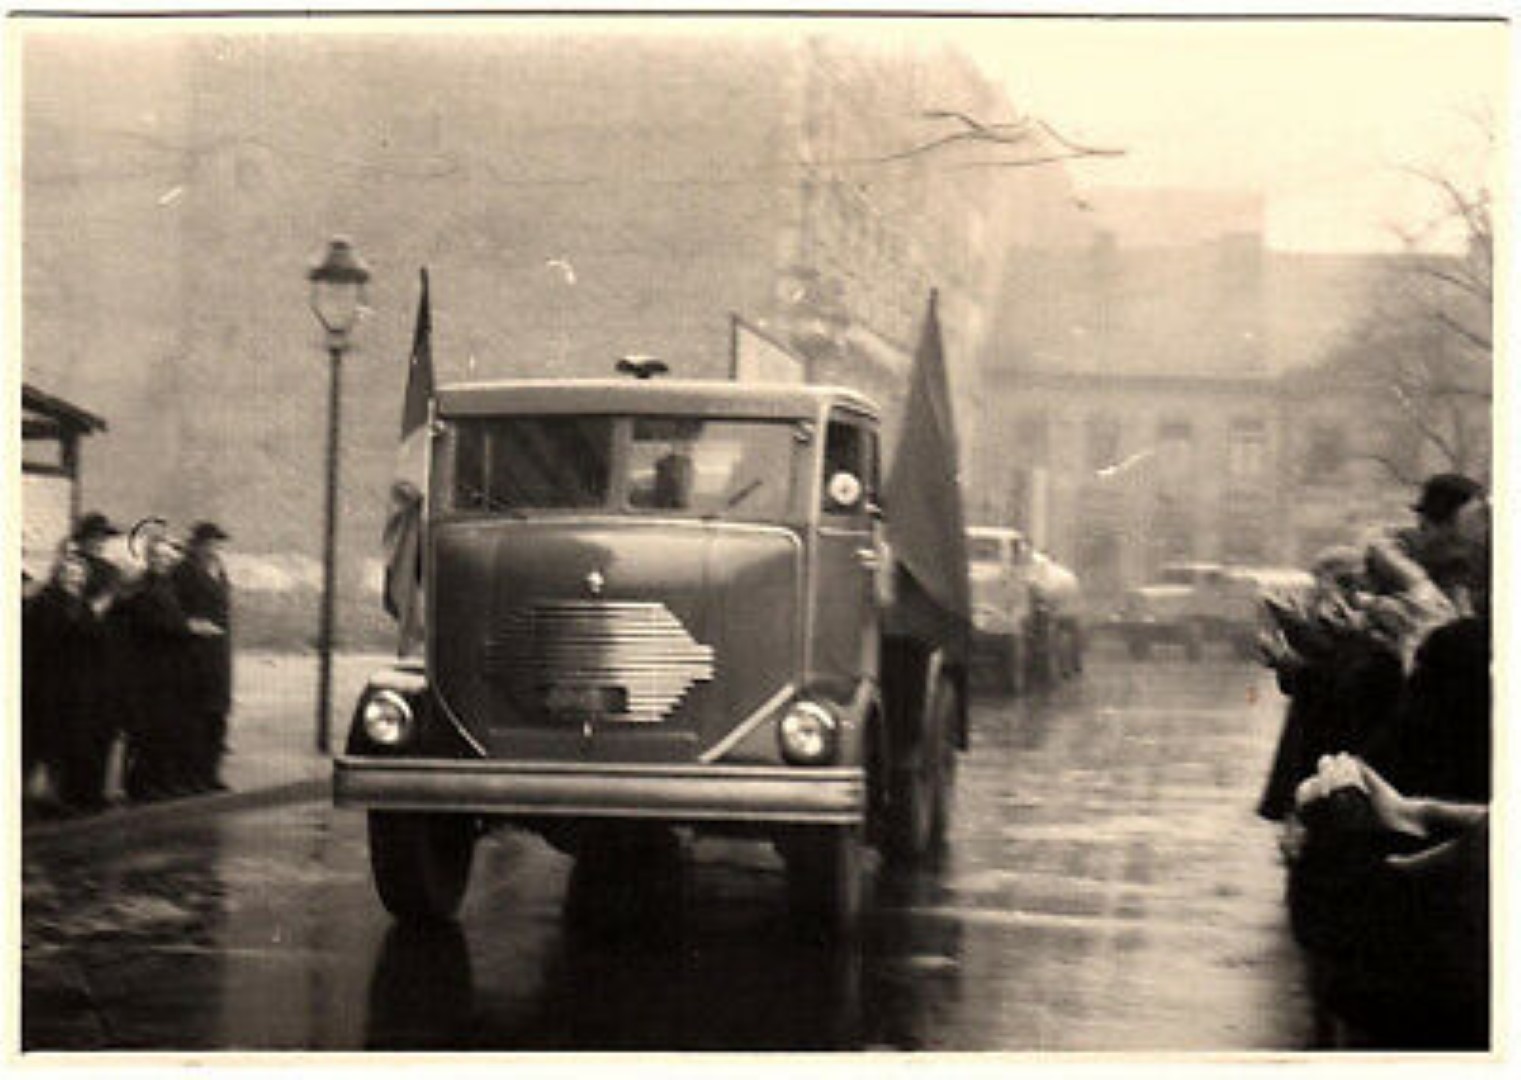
{"points": [[404, 517], [923, 491]]}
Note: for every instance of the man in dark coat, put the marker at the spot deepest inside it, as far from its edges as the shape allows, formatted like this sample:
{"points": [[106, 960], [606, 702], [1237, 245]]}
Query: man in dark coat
{"points": [[84, 746], [158, 635], [201, 586]]}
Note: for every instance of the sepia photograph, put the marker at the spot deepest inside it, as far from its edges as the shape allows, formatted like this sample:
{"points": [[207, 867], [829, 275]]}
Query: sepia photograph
{"points": [[710, 532]]}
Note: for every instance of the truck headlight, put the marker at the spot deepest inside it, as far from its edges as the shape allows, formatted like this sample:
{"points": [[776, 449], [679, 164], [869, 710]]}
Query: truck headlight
{"points": [[387, 719], [809, 734]]}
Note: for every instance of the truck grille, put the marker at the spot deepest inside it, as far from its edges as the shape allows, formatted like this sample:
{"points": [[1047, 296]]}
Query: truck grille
{"points": [[623, 660]]}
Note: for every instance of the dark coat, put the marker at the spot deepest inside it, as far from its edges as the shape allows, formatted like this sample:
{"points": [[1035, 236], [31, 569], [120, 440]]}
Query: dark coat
{"points": [[1443, 737], [156, 654], [1344, 701], [56, 650], [206, 595]]}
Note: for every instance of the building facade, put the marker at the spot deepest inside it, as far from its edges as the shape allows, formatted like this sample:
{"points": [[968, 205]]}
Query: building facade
{"points": [[1168, 389], [575, 197]]}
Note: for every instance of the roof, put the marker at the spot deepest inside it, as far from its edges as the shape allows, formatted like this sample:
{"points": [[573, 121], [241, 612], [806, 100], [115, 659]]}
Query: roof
{"points": [[654, 397], [45, 415]]}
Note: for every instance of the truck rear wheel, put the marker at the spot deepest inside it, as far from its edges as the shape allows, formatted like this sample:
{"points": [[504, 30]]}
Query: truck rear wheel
{"points": [[421, 863], [826, 879], [920, 803], [945, 785]]}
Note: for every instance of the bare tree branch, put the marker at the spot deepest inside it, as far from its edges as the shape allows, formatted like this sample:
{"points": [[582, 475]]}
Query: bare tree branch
{"points": [[1422, 424], [1025, 163], [1477, 340], [1391, 466]]}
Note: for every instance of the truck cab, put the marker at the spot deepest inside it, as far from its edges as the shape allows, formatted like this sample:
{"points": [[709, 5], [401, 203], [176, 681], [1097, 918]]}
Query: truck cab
{"points": [[653, 604]]}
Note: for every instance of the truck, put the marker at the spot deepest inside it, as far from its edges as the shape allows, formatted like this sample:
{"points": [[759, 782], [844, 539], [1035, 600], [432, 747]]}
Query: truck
{"points": [[1192, 603], [1026, 610], [672, 605]]}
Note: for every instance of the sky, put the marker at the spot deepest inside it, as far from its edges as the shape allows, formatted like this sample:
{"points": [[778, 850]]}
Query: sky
{"points": [[1324, 118]]}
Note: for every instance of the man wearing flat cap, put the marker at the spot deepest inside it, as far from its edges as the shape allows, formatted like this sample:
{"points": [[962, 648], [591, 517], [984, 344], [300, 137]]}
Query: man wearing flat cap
{"points": [[1443, 552], [200, 583]]}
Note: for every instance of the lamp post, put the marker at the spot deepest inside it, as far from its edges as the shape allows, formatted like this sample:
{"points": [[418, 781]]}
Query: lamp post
{"points": [[337, 298]]}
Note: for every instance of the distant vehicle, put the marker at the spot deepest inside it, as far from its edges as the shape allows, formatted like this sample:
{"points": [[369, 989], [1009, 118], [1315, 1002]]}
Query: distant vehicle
{"points": [[1168, 610], [1058, 615], [1026, 609], [1192, 603], [1002, 604]]}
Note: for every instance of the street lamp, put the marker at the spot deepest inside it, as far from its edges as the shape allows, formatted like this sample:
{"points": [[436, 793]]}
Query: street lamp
{"points": [[337, 299]]}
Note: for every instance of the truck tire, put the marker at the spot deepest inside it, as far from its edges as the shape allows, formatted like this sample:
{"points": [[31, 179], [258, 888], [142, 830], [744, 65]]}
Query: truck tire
{"points": [[826, 880], [945, 786], [920, 800], [421, 863], [1140, 648]]}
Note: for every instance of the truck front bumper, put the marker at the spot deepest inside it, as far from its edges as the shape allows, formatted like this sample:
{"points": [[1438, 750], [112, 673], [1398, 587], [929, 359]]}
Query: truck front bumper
{"points": [[676, 793]]}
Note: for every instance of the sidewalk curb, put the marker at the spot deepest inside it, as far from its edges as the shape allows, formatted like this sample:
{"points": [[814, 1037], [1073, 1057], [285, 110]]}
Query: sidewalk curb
{"points": [[131, 819]]}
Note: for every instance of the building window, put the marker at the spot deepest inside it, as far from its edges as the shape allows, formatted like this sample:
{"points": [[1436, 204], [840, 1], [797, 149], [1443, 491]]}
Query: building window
{"points": [[1246, 451], [1173, 530], [1325, 453], [1103, 441], [1175, 453]]}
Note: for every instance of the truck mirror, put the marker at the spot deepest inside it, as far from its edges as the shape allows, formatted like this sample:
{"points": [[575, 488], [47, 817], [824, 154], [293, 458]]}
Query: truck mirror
{"points": [[844, 491]]}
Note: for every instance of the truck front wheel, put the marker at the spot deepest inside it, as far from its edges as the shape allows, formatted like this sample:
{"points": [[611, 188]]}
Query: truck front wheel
{"points": [[826, 872], [421, 863]]}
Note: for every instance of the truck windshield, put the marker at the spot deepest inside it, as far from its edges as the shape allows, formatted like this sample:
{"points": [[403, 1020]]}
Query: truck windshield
{"points": [[711, 468], [533, 463], [690, 466]]}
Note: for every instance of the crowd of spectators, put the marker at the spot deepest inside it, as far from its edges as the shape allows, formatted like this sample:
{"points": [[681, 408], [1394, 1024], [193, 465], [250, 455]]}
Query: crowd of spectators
{"points": [[132, 653], [1382, 776]]}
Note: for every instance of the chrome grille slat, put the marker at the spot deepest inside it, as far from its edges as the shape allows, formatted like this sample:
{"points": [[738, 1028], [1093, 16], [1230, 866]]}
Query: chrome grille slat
{"points": [[637, 647]]}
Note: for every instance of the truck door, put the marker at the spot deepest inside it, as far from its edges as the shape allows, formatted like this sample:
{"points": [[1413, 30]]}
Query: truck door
{"points": [[847, 556]]}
